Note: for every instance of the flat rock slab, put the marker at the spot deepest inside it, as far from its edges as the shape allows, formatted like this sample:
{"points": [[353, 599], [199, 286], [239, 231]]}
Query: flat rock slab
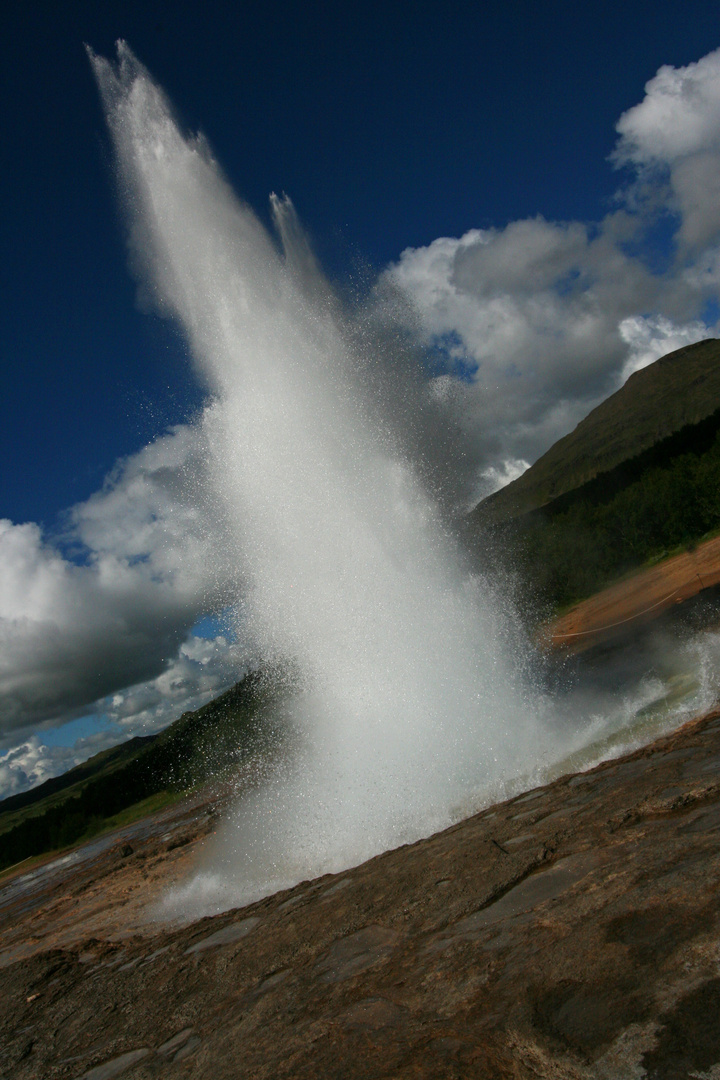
{"points": [[225, 936], [570, 933], [98, 889], [356, 953], [117, 1065]]}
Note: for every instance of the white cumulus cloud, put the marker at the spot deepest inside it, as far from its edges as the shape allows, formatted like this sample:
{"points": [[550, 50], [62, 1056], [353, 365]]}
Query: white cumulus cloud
{"points": [[651, 337], [553, 316], [31, 763], [679, 115], [674, 133], [107, 603]]}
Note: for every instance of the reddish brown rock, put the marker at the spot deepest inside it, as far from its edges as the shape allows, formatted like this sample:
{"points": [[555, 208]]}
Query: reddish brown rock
{"points": [[570, 933]]}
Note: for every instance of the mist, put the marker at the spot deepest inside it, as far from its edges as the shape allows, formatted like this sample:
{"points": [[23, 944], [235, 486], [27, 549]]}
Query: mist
{"points": [[413, 695]]}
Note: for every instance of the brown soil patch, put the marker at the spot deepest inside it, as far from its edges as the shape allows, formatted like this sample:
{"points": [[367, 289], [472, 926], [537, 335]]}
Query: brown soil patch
{"points": [[637, 600]]}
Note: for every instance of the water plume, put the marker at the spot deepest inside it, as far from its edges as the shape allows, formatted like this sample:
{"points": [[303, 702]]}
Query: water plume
{"points": [[411, 696]]}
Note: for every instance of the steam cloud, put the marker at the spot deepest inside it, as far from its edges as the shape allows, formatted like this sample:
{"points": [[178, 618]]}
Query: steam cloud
{"points": [[405, 698]]}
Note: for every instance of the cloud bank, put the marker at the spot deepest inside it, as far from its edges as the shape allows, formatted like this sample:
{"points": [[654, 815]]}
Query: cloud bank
{"points": [[553, 316], [97, 618], [203, 668], [73, 631]]}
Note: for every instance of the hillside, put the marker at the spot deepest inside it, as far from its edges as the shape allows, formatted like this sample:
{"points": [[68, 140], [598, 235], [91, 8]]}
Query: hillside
{"points": [[647, 505], [650, 507], [679, 389], [686, 585], [82, 802]]}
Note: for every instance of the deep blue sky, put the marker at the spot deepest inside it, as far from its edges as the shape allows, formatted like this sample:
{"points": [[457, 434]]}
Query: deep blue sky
{"points": [[389, 124]]}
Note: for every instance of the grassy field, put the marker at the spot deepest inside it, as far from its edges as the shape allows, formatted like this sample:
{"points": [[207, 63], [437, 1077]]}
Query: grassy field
{"points": [[136, 812]]}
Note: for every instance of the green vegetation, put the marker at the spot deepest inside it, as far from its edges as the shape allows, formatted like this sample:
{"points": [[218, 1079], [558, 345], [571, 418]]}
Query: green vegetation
{"points": [[679, 390], [638, 479], [661, 501], [122, 784]]}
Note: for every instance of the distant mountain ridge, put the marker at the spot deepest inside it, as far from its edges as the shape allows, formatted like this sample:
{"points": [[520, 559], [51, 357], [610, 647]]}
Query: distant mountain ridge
{"points": [[106, 761], [194, 749], [679, 389]]}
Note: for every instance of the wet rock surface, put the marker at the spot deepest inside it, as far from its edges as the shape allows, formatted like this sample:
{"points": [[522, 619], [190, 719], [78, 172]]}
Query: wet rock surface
{"points": [[570, 933]]}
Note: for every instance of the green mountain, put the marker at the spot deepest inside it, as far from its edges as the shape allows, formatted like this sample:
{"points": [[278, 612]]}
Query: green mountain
{"points": [[638, 479], [195, 748], [678, 390]]}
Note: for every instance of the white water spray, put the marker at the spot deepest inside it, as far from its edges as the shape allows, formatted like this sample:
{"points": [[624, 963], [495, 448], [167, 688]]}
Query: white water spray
{"points": [[411, 702]]}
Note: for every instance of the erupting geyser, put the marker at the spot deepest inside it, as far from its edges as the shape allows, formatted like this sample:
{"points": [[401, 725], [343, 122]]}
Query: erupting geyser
{"points": [[409, 700]]}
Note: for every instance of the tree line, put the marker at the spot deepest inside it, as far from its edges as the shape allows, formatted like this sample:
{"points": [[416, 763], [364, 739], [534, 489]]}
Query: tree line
{"points": [[573, 548], [196, 747]]}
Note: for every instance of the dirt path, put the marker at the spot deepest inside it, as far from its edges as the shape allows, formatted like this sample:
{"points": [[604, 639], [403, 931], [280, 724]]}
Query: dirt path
{"points": [[637, 600]]}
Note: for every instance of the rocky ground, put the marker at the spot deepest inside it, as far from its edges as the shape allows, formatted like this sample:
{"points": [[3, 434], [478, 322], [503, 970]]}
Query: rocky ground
{"points": [[572, 932], [104, 887]]}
